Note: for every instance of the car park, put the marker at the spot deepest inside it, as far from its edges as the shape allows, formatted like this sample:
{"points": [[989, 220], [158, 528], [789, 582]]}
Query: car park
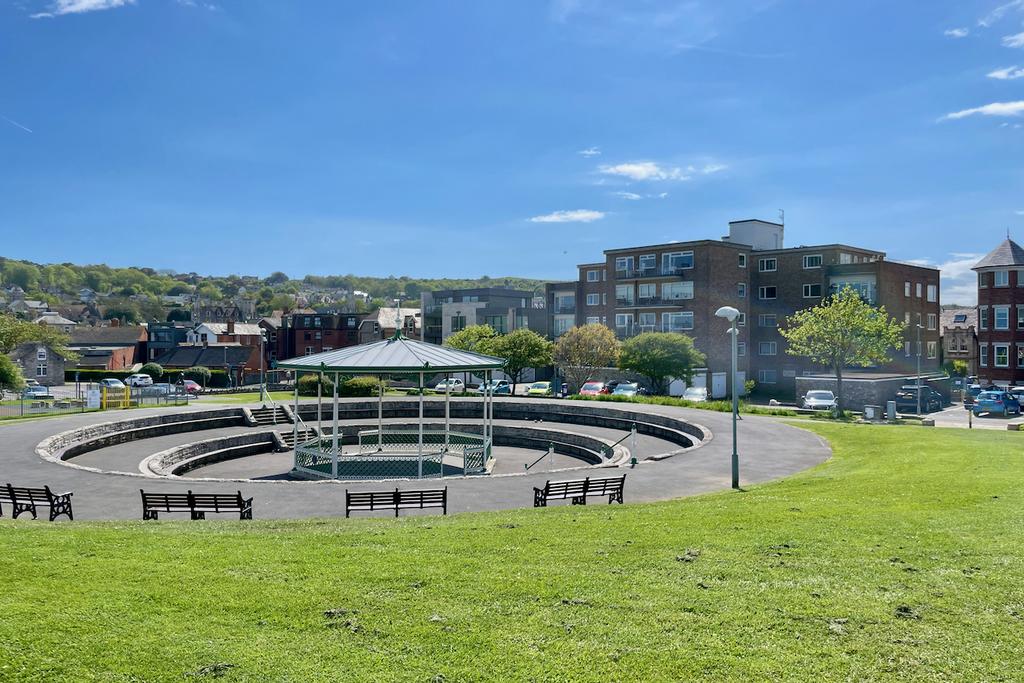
{"points": [[1017, 393], [996, 403], [36, 392], [628, 389], [450, 384], [819, 399], [139, 380], [497, 387], [695, 394], [973, 389], [539, 389], [906, 399], [594, 389], [111, 383], [191, 387]]}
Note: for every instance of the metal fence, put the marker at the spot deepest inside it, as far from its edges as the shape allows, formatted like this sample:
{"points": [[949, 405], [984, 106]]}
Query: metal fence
{"points": [[84, 398]]}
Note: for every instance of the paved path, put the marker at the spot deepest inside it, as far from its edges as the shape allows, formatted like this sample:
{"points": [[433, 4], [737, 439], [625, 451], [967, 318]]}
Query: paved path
{"points": [[769, 450]]}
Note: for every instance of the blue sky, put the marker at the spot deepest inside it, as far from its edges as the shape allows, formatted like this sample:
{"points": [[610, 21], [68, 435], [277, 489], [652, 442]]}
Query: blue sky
{"points": [[520, 137]]}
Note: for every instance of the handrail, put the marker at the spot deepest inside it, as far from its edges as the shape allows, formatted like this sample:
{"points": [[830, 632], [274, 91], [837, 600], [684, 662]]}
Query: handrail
{"points": [[610, 450], [551, 448]]}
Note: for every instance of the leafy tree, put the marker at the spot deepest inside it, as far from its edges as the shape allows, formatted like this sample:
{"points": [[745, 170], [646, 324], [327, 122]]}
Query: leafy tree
{"points": [[582, 350], [659, 356], [473, 338], [198, 373], [843, 331], [520, 349], [179, 314], [277, 278], [955, 368], [154, 370], [14, 332], [10, 374], [25, 275]]}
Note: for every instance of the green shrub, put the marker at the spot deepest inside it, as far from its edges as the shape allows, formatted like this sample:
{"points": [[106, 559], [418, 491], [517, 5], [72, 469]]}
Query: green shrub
{"points": [[716, 406], [308, 384], [154, 370], [360, 386]]}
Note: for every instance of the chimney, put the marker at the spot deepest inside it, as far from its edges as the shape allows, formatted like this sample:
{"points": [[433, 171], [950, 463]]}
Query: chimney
{"points": [[231, 327]]}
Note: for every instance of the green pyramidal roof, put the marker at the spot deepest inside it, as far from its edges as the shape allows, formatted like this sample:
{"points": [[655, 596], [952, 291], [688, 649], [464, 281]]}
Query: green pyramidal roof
{"points": [[398, 354]]}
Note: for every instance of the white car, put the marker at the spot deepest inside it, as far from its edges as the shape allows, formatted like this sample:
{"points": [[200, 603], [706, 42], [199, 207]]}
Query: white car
{"points": [[696, 394], [139, 380], [450, 384], [496, 387], [111, 383], [819, 400]]}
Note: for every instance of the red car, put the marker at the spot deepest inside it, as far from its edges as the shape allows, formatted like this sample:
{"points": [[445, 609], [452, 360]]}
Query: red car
{"points": [[593, 389], [191, 387]]}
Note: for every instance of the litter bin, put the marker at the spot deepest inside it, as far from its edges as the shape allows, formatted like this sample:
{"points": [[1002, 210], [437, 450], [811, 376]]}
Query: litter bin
{"points": [[872, 413], [890, 410]]}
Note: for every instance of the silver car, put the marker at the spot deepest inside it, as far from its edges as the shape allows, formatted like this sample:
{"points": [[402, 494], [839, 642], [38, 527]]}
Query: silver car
{"points": [[819, 399]]}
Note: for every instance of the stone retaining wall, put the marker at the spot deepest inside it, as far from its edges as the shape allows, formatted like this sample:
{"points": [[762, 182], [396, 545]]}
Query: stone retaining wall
{"points": [[181, 459]]}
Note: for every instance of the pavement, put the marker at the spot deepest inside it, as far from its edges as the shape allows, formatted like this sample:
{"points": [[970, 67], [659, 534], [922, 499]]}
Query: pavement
{"points": [[956, 416], [769, 449]]}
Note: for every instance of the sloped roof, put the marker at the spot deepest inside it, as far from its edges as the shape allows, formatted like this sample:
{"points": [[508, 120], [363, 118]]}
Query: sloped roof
{"points": [[398, 354], [1009, 253], [959, 317], [240, 328], [126, 335], [392, 318], [211, 357], [53, 318]]}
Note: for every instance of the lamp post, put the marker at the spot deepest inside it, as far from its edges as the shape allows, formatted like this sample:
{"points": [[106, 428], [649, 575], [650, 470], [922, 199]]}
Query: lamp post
{"points": [[731, 314], [919, 327]]}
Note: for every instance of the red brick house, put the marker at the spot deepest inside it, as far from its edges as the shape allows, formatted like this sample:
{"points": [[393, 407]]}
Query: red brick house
{"points": [[1001, 315]]}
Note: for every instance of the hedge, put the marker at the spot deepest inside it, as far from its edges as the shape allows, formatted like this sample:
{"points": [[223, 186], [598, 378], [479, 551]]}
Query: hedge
{"points": [[218, 378]]}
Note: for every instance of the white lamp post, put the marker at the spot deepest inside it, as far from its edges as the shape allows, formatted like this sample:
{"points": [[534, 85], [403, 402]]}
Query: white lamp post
{"points": [[731, 314]]}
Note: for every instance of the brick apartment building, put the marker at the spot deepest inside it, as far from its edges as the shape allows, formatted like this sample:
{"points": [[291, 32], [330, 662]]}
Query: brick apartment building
{"points": [[451, 310], [303, 334], [677, 287], [1001, 315]]}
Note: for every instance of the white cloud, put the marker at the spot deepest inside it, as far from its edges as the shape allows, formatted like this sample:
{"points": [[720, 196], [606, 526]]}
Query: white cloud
{"points": [[1008, 74], [956, 32], [60, 7], [590, 152], [632, 196], [993, 109], [999, 12], [651, 170], [574, 216], [1020, 212], [958, 281], [1016, 40]]}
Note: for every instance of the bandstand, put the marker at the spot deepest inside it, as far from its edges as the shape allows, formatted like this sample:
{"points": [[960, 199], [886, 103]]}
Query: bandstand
{"points": [[389, 452]]}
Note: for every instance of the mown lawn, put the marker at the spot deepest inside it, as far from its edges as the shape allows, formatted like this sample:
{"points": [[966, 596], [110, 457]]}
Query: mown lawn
{"points": [[249, 397], [898, 559]]}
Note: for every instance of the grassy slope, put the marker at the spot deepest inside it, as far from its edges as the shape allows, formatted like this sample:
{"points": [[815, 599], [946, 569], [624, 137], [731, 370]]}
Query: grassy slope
{"points": [[900, 558]]}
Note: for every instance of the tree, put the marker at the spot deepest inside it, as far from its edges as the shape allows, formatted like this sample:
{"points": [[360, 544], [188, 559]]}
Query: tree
{"points": [[154, 370], [520, 349], [659, 356], [14, 332], [843, 331], [10, 374], [277, 278], [473, 338], [25, 275], [582, 350], [198, 373]]}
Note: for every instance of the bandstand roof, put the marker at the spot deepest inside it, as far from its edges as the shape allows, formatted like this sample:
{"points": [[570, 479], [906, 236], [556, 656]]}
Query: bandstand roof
{"points": [[398, 354]]}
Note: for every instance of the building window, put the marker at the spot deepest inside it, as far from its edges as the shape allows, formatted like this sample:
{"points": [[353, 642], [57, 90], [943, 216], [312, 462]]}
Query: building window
{"points": [[1001, 317], [624, 322], [767, 320], [458, 323], [812, 291], [309, 351], [742, 260], [647, 291], [624, 295], [593, 276], [741, 321], [647, 321], [676, 322], [593, 319], [673, 291], [812, 261], [1001, 355], [983, 317], [917, 289], [498, 323], [741, 290], [906, 318], [906, 349], [1001, 278], [1020, 317], [593, 299], [983, 355], [1020, 355], [767, 348], [624, 264], [933, 293], [41, 353], [933, 349], [328, 348], [982, 280], [932, 320], [767, 376], [741, 348], [648, 263], [765, 293], [906, 288], [768, 265], [676, 261], [41, 370], [318, 334]]}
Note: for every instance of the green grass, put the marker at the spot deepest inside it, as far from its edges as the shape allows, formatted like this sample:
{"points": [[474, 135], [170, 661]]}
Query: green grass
{"points": [[716, 406], [249, 397], [898, 559]]}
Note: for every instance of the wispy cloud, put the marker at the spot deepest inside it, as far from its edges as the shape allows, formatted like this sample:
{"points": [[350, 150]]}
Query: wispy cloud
{"points": [[590, 152], [1000, 12], [16, 124], [1016, 40], [959, 283], [574, 216], [956, 32], [61, 7], [1020, 212], [993, 109], [632, 196], [652, 170], [1008, 74]]}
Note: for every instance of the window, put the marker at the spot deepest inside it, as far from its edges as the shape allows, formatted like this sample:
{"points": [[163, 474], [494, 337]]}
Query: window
{"points": [[593, 299], [647, 321], [812, 261], [982, 280], [41, 369], [648, 262], [673, 291], [917, 290], [624, 263], [624, 322], [316, 322], [741, 290], [741, 348], [1020, 355], [676, 261], [906, 349], [765, 293], [1001, 278], [1020, 317], [593, 319], [1001, 317], [309, 350], [351, 322], [845, 258], [933, 293], [932, 321], [593, 276], [906, 317], [767, 320], [328, 348], [499, 323], [768, 265], [906, 288], [767, 348], [562, 325], [1001, 355], [458, 323], [766, 376], [983, 317], [624, 295], [741, 321], [41, 353], [647, 291], [742, 261], [812, 291], [933, 349], [318, 334], [983, 355], [675, 322]]}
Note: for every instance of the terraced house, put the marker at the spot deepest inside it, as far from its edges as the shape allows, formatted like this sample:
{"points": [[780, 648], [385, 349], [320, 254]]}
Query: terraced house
{"points": [[678, 286]]}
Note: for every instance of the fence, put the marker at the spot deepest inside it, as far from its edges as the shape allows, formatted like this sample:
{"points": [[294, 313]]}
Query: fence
{"points": [[84, 398]]}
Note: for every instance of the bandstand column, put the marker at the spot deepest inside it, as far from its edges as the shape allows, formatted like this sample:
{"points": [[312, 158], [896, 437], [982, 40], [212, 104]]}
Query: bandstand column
{"points": [[380, 414], [487, 389], [447, 396], [334, 432], [420, 449], [295, 413], [319, 403]]}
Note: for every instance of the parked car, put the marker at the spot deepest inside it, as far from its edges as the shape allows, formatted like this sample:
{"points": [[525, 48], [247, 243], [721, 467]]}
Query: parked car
{"points": [[996, 403], [111, 383], [36, 392], [497, 387], [450, 384], [594, 389], [139, 380], [161, 389], [819, 399], [974, 390], [906, 399], [540, 389], [629, 389], [696, 394], [612, 383], [191, 387], [1017, 393]]}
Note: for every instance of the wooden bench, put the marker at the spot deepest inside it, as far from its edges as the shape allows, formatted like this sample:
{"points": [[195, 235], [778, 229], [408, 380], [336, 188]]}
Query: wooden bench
{"points": [[196, 504], [579, 489], [396, 500], [24, 499]]}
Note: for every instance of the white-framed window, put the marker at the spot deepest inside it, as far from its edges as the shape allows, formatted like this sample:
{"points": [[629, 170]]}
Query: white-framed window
{"points": [[593, 299], [812, 291], [1001, 355], [1020, 355], [767, 265], [741, 320], [1001, 278], [906, 317], [812, 261], [933, 293], [742, 260], [40, 353], [623, 263], [593, 319], [906, 349], [767, 348], [648, 262], [624, 321], [1020, 317], [318, 334], [647, 321], [624, 295], [765, 293], [1001, 317], [932, 321], [741, 290], [906, 288], [983, 355], [647, 290], [767, 320], [41, 370], [982, 317], [917, 289], [767, 376], [982, 280], [933, 349], [677, 260], [741, 348], [604, 298], [677, 321], [672, 291], [593, 276], [310, 351], [328, 348]]}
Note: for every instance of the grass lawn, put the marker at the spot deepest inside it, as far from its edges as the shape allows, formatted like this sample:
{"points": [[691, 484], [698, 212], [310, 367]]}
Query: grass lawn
{"points": [[898, 559], [249, 397]]}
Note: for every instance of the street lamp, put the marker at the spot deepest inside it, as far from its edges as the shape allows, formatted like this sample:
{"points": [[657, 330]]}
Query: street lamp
{"points": [[919, 328], [731, 314]]}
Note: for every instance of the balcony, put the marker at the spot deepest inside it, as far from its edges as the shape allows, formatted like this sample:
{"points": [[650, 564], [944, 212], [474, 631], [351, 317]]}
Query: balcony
{"points": [[638, 273], [626, 302], [565, 308], [868, 292], [627, 331]]}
